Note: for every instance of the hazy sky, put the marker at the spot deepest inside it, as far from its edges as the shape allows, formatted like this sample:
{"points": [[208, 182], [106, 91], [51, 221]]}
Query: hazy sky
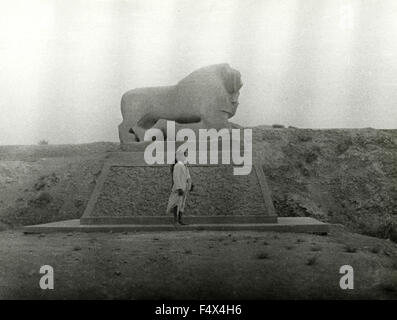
{"points": [[308, 63]]}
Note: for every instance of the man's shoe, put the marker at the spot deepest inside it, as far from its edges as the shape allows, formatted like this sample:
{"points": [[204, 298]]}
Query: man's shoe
{"points": [[180, 220], [175, 219]]}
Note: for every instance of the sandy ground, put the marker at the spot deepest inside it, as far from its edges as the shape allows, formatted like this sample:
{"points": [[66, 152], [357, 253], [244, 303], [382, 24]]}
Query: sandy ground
{"points": [[197, 265]]}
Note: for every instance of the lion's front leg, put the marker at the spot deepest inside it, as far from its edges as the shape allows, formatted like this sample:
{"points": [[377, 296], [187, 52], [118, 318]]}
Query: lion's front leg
{"points": [[128, 133], [216, 120]]}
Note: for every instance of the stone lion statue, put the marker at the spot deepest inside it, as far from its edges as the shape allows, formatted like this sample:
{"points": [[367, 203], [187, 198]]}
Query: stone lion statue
{"points": [[207, 97]]}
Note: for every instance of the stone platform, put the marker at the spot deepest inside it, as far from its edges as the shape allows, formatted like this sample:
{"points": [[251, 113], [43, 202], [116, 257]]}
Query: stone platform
{"points": [[296, 225]]}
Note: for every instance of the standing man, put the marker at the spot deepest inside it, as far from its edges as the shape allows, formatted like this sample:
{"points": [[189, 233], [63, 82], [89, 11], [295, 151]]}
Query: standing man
{"points": [[181, 185]]}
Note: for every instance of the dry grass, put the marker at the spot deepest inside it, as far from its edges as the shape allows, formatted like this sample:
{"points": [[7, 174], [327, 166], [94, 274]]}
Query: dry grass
{"points": [[312, 261], [350, 249], [262, 255]]}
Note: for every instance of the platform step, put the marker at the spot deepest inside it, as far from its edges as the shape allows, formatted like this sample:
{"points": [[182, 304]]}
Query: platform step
{"points": [[157, 220], [295, 224]]}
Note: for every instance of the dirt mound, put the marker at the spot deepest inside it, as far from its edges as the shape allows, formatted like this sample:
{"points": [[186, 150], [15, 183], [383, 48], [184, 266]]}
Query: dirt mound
{"points": [[34, 153], [48, 183], [340, 176]]}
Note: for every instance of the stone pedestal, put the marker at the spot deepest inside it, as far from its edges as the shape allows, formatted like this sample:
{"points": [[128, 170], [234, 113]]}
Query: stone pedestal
{"points": [[129, 191]]}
